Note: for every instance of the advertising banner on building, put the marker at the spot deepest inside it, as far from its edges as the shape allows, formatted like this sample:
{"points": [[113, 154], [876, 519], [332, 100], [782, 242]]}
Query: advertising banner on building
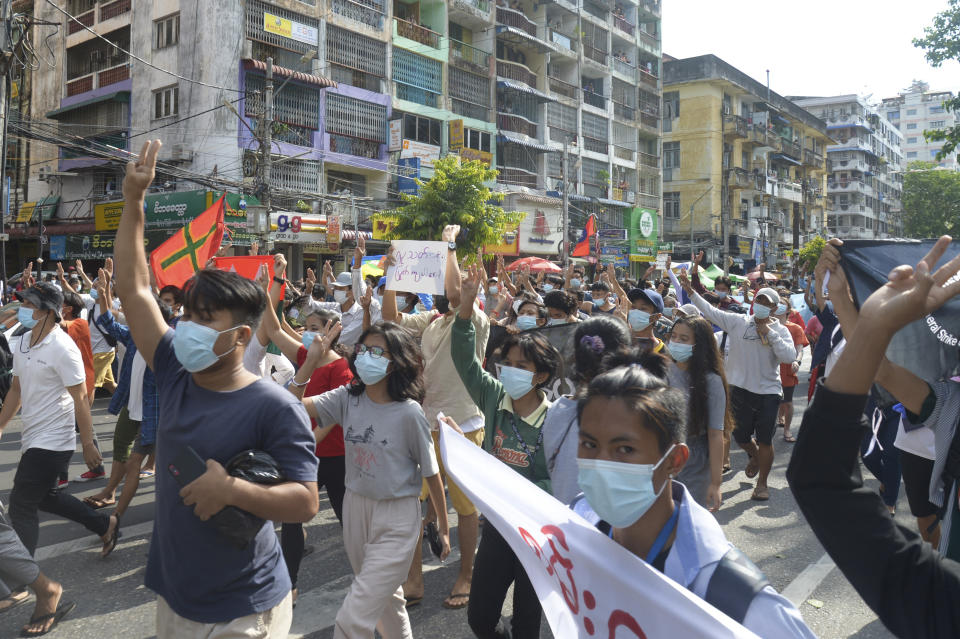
{"points": [[456, 136], [296, 228], [290, 29], [642, 231], [509, 244], [408, 173], [427, 153], [383, 224], [396, 135]]}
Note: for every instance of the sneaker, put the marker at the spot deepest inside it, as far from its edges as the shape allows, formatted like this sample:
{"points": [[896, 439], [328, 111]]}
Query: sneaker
{"points": [[62, 482], [90, 475]]}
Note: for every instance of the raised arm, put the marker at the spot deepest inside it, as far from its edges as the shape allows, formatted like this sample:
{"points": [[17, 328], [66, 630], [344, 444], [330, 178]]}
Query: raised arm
{"points": [[83, 276], [143, 316], [726, 321], [451, 280], [356, 273], [270, 323], [61, 277]]}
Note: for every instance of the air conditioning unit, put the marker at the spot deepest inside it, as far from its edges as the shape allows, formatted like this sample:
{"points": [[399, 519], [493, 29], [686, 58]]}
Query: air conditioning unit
{"points": [[180, 153]]}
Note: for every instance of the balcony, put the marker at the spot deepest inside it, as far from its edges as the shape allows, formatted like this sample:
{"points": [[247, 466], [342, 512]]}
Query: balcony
{"points": [[560, 87], [114, 9], [474, 6], [622, 25], [756, 135], [362, 13], [98, 80], [623, 153], [623, 195], [516, 19], [625, 68], [518, 124], [812, 158], [790, 148], [87, 19], [649, 39], [469, 58], [738, 178], [649, 123], [649, 160], [562, 135], [417, 33], [596, 55], [469, 109], [648, 78], [651, 6], [594, 99], [516, 177], [591, 189], [566, 43], [354, 146], [623, 112], [734, 126], [773, 140], [790, 191], [516, 71], [594, 145]]}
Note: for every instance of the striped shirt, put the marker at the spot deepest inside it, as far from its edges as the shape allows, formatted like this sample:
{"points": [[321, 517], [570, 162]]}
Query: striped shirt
{"points": [[943, 422]]}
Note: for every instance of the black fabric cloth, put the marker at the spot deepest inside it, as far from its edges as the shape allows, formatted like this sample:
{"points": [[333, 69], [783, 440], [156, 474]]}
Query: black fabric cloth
{"points": [[35, 488], [917, 471], [495, 568], [753, 414], [912, 589]]}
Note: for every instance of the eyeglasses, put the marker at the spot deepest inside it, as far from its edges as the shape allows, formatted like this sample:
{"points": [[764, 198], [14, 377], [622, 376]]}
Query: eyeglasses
{"points": [[375, 351]]}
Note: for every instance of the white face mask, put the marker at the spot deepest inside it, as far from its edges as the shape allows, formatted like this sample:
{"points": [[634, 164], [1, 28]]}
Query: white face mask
{"points": [[339, 296]]}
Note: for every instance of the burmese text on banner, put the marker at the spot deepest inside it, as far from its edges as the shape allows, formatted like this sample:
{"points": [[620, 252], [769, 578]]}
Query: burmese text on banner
{"points": [[589, 585]]}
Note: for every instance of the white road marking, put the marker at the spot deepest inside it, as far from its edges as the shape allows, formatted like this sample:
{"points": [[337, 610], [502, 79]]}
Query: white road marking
{"points": [[90, 541], [807, 581]]}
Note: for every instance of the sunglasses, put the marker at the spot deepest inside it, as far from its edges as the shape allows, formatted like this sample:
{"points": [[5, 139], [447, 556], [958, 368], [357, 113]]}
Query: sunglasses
{"points": [[375, 351]]}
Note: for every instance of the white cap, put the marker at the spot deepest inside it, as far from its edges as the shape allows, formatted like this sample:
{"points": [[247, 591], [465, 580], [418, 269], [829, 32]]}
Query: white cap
{"points": [[768, 293]]}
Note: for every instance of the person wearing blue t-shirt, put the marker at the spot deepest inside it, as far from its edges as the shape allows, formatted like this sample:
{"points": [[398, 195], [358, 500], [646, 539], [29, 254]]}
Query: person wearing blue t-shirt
{"points": [[206, 586]]}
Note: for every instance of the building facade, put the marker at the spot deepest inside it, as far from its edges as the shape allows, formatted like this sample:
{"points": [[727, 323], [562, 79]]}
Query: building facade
{"points": [[917, 110], [372, 93], [865, 180], [744, 169]]}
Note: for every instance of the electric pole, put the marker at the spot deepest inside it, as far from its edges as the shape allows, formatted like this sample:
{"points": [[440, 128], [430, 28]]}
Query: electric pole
{"points": [[266, 163], [565, 212]]}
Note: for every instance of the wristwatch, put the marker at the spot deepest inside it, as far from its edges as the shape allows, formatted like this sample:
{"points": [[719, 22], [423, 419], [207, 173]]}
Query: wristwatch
{"points": [[451, 246]]}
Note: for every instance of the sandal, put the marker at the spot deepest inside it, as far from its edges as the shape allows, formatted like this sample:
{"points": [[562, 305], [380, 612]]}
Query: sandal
{"points": [[760, 494], [14, 600], [461, 599], [62, 611], [97, 503], [753, 467], [790, 439], [111, 544], [412, 601], [146, 473]]}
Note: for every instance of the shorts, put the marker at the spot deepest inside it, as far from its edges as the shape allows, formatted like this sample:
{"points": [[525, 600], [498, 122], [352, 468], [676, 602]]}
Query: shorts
{"points": [[916, 472], [124, 434], [139, 448], [754, 415], [461, 503], [787, 395], [102, 368]]}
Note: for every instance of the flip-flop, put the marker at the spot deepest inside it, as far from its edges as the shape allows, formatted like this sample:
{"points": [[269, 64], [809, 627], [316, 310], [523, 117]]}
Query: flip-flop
{"points": [[464, 597], [63, 609], [97, 504], [789, 439], [146, 473], [760, 495], [111, 544], [753, 467], [413, 601], [13, 601]]}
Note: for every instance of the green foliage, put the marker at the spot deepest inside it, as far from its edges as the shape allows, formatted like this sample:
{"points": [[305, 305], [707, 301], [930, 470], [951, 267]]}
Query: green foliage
{"points": [[456, 194], [941, 43], [810, 253], [931, 200]]}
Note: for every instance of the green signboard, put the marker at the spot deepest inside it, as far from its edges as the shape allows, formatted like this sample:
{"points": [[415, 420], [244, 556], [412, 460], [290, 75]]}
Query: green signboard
{"points": [[642, 228]]}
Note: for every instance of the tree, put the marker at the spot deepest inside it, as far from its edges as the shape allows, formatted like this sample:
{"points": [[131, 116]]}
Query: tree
{"points": [[810, 253], [931, 200], [456, 194], [941, 43]]}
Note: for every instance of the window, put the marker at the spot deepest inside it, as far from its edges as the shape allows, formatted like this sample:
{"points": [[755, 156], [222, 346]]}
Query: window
{"points": [[936, 109], [166, 102], [933, 152], [911, 125], [476, 140], [911, 154], [938, 124], [671, 205], [421, 129], [911, 111], [167, 31], [671, 155], [893, 115], [671, 104], [911, 140]]}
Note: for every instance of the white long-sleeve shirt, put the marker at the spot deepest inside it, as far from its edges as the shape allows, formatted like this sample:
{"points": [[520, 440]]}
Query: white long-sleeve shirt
{"points": [[351, 320], [751, 364]]}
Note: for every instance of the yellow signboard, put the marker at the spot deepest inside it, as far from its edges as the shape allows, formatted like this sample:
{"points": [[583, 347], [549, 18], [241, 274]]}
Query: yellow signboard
{"points": [[456, 135], [505, 247], [106, 216], [472, 154], [25, 214], [383, 225], [277, 25]]}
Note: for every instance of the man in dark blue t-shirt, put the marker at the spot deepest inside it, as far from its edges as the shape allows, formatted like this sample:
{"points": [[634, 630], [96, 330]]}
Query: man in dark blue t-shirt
{"points": [[210, 403]]}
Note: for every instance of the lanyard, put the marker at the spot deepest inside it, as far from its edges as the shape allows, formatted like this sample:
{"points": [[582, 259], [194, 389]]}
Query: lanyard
{"points": [[661, 540], [523, 444]]}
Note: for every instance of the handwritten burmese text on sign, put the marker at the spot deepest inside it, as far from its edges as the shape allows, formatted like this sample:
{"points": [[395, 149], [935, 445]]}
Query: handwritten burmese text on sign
{"points": [[419, 267]]}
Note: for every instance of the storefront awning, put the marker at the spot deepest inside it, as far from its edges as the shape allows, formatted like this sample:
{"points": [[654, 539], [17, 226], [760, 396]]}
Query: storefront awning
{"points": [[46, 206], [297, 76], [608, 202], [505, 83], [784, 158], [515, 138], [116, 96]]}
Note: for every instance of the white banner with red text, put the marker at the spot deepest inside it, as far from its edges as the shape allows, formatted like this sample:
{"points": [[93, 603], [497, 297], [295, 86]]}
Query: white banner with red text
{"points": [[589, 585]]}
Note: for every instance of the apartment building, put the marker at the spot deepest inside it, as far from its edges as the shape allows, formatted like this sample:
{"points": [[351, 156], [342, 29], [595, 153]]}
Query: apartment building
{"points": [[917, 110], [743, 167], [865, 179], [372, 93]]}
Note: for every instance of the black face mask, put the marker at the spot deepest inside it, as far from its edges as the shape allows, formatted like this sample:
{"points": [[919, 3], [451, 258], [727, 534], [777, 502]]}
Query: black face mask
{"points": [[441, 303]]}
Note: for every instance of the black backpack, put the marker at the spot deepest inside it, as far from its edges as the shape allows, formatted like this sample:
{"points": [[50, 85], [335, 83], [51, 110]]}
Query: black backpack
{"points": [[6, 367]]}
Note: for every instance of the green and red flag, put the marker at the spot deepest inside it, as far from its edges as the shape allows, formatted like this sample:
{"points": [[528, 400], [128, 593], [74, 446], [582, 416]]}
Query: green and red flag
{"points": [[187, 251]]}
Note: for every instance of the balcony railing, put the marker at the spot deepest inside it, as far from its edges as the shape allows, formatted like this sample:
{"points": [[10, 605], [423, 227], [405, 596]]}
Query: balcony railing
{"points": [[756, 134], [415, 94], [773, 140], [516, 177], [563, 88], [623, 153], [483, 6], [114, 9], [650, 122], [652, 6], [594, 190], [790, 148], [624, 112], [650, 108], [354, 146], [469, 109], [594, 145], [594, 99], [648, 78], [623, 25], [625, 68], [623, 195], [516, 71], [738, 178], [98, 80], [597, 55], [87, 19], [649, 39], [417, 33], [562, 135], [812, 158], [517, 124], [648, 159], [361, 13], [734, 125], [562, 40], [469, 57], [514, 18]]}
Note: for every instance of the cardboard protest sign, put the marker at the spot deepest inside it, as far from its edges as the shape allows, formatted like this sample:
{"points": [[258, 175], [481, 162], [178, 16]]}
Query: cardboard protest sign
{"points": [[419, 267]]}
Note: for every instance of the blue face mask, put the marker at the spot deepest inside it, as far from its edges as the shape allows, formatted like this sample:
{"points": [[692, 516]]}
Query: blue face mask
{"points": [[517, 382], [722, 295], [25, 317], [371, 369], [94, 294], [575, 282], [193, 345], [307, 338], [781, 309], [638, 320], [526, 322], [547, 288], [680, 352], [553, 321], [760, 311], [618, 492]]}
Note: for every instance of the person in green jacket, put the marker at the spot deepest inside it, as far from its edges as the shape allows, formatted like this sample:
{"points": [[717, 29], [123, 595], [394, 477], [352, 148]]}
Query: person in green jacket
{"points": [[514, 408]]}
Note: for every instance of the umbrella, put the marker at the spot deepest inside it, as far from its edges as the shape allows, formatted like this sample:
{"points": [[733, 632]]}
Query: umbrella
{"points": [[770, 277], [714, 271], [535, 264]]}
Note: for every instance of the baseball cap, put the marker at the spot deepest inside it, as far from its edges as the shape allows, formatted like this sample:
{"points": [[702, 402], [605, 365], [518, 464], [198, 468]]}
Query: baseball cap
{"points": [[344, 280], [768, 293], [652, 296], [382, 282], [44, 295]]}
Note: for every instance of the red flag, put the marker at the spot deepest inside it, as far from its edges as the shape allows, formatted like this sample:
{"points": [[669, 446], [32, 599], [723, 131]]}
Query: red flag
{"points": [[582, 247], [187, 251], [245, 265]]}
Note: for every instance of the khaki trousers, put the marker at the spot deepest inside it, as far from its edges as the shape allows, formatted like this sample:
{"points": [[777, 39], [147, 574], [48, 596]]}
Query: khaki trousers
{"points": [[269, 624]]}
